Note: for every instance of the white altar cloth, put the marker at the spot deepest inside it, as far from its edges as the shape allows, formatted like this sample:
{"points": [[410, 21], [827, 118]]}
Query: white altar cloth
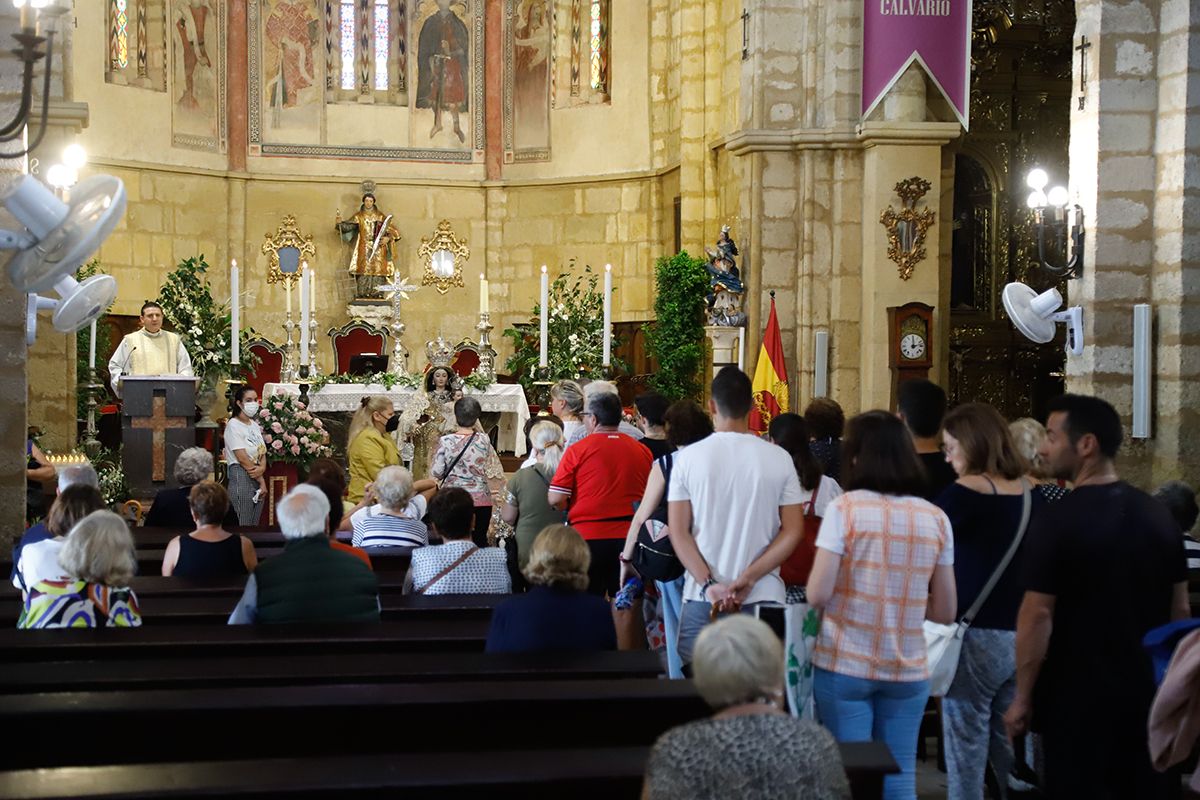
{"points": [[507, 398]]}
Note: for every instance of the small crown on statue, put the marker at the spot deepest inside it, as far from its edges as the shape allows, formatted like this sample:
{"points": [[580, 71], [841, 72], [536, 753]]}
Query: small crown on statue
{"points": [[439, 352]]}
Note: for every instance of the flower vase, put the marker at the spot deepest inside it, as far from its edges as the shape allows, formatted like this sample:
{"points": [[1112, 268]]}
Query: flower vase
{"points": [[281, 478]]}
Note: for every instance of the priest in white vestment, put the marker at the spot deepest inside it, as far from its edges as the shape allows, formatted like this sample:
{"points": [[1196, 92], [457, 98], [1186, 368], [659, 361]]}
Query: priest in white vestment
{"points": [[150, 351]]}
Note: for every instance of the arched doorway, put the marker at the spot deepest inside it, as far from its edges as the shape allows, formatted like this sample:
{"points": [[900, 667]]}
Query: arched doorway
{"points": [[1020, 117]]}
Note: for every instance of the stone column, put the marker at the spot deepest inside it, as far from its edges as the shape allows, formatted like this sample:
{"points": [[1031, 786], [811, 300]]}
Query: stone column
{"points": [[896, 150], [1131, 175], [13, 400], [693, 151]]}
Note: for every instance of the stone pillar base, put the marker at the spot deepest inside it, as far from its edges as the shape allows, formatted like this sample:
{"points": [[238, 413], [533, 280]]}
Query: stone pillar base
{"points": [[728, 346]]}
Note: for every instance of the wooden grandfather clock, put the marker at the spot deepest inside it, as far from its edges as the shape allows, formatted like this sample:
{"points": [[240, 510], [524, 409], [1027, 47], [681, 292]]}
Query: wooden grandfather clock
{"points": [[910, 350]]}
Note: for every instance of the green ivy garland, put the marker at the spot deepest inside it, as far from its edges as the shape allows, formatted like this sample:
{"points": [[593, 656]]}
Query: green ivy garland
{"points": [[676, 338]]}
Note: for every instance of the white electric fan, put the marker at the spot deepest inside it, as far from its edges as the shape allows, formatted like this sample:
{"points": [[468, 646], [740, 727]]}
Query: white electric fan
{"points": [[1037, 315], [57, 239]]}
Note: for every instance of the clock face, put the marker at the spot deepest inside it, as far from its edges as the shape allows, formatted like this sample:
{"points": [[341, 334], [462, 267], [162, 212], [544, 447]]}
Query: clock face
{"points": [[912, 346]]}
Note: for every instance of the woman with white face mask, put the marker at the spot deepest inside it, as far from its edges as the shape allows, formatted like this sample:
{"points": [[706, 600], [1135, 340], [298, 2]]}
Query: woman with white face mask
{"points": [[246, 457]]}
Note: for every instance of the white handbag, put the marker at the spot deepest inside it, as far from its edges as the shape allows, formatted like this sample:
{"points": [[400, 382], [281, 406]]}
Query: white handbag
{"points": [[945, 641]]}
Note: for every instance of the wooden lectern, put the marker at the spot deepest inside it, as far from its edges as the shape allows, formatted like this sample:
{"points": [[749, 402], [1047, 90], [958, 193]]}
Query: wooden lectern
{"points": [[157, 424]]}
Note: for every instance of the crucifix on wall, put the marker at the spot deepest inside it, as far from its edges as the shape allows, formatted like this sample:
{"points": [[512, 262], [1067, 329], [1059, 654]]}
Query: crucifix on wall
{"points": [[1083, 46]]}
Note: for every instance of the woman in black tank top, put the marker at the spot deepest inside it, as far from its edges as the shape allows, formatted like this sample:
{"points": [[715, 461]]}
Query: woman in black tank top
{"points": [[209, 551], [201, 559]]}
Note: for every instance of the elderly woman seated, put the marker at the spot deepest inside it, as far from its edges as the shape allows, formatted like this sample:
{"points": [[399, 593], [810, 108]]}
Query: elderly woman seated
{"points": [[395, 518], [750, 748], [97, 557], [39, 561], [458, 566], [171, 508], [209, 551], [556, 613]]}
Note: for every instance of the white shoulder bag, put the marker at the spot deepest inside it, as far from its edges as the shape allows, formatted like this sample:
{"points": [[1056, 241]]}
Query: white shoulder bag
{"points": [[945, 641]]}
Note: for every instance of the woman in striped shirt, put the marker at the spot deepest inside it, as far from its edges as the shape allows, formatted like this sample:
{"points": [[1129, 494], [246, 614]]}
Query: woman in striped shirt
{"points": [[395, 519]]}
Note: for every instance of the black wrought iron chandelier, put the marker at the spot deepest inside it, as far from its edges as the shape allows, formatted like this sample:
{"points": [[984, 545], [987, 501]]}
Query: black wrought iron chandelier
{"points": [[29, 52]]}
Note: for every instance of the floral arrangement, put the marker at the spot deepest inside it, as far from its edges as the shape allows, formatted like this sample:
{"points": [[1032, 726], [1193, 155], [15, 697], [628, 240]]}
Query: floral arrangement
{"points": [[387, 380], [291, 433], [575, 331], [477, 381], [113, 485], [204, 324]]}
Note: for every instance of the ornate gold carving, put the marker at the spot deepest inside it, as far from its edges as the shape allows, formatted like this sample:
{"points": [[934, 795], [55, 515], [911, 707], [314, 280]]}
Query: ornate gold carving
{"points": [[287, 236], [907, 229], [444, 255]]}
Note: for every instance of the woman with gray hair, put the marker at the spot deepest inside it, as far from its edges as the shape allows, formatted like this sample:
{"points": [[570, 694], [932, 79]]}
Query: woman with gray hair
{"points": [[566, 403], [171, 508], [750, 748], [526, 507], [98, 558], [392, 517]]}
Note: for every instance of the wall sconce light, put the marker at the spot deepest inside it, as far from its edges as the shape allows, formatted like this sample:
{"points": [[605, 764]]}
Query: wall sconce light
{"points": [[1050, 211]]}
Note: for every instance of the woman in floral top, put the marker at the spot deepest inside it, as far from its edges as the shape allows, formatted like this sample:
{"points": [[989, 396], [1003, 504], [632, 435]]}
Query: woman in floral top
{"points": [[466, 459], [98, 557]]}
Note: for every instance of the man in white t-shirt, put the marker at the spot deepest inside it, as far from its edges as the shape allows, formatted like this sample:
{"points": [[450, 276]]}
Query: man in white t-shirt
{"points": [[735, 512]]}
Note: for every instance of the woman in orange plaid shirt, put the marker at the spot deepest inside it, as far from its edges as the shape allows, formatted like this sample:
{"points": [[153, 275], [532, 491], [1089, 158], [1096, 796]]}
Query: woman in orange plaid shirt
{"points": [[884, 564]]}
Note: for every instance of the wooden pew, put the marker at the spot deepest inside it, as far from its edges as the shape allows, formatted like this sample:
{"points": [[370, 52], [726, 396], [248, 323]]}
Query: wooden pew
{"points": [[214, 609], [166, 642], [581, 774], [149, 559], [319, 668], [300, 721], [607, 773]]}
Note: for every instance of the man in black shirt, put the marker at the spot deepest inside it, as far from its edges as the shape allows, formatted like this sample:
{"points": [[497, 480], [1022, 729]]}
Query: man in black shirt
{"points": [[1103, 566], [922, 405]]}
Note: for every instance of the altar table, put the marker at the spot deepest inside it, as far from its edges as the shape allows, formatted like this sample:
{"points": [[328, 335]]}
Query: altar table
{"points": [[506, 398]]}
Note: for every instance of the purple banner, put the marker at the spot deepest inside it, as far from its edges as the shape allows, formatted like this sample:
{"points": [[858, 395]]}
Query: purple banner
{"points": [[937, 33]]}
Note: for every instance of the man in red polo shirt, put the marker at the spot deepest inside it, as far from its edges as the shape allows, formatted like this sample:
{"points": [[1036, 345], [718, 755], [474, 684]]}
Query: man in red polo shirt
{"points": [[600, 479]]}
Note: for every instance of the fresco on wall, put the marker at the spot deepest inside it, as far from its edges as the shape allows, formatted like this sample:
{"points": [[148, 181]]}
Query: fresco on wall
{"points": [[528, 65], [291, 114], [198, 74], [447, 106], [292, 71]]}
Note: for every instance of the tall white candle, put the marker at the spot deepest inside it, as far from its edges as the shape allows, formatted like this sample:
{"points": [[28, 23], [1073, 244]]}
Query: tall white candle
{"points": [[235, 345], [287, 285], [543, 301], [483, 294], [304, 313], [312, 292], [607, 315], [92, 346]]}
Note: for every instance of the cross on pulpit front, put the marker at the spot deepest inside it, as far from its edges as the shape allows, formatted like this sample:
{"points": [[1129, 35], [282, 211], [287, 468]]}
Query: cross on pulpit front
{"points": [[158, 415], [159, 423]]}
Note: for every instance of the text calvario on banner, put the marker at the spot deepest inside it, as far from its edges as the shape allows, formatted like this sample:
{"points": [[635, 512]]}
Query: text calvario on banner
{"points": [[935, 33]]}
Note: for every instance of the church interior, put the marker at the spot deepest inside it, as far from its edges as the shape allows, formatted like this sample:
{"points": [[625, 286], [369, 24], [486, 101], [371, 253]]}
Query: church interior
{"points": [[387, 187]]}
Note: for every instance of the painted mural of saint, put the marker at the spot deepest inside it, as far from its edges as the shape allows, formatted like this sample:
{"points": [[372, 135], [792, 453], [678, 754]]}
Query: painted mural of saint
{"points": [[443, 67], [292, 30], [190, 18], [531, 79]]}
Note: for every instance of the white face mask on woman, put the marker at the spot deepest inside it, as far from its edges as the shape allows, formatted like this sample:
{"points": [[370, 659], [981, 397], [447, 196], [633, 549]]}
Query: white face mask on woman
{"points": [[250, 408]]}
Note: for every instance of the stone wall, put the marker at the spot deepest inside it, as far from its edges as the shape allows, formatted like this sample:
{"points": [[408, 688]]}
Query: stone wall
{"points": [[511, 231], [1131, 174]]}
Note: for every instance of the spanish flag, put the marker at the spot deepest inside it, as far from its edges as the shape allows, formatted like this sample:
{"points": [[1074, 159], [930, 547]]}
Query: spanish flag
{"points": [[770, 377]]}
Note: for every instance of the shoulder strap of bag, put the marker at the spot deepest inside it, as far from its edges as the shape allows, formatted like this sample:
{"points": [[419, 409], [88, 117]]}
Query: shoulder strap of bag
{"points": [[454, 463], [1026, 505], [447, 570]]}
